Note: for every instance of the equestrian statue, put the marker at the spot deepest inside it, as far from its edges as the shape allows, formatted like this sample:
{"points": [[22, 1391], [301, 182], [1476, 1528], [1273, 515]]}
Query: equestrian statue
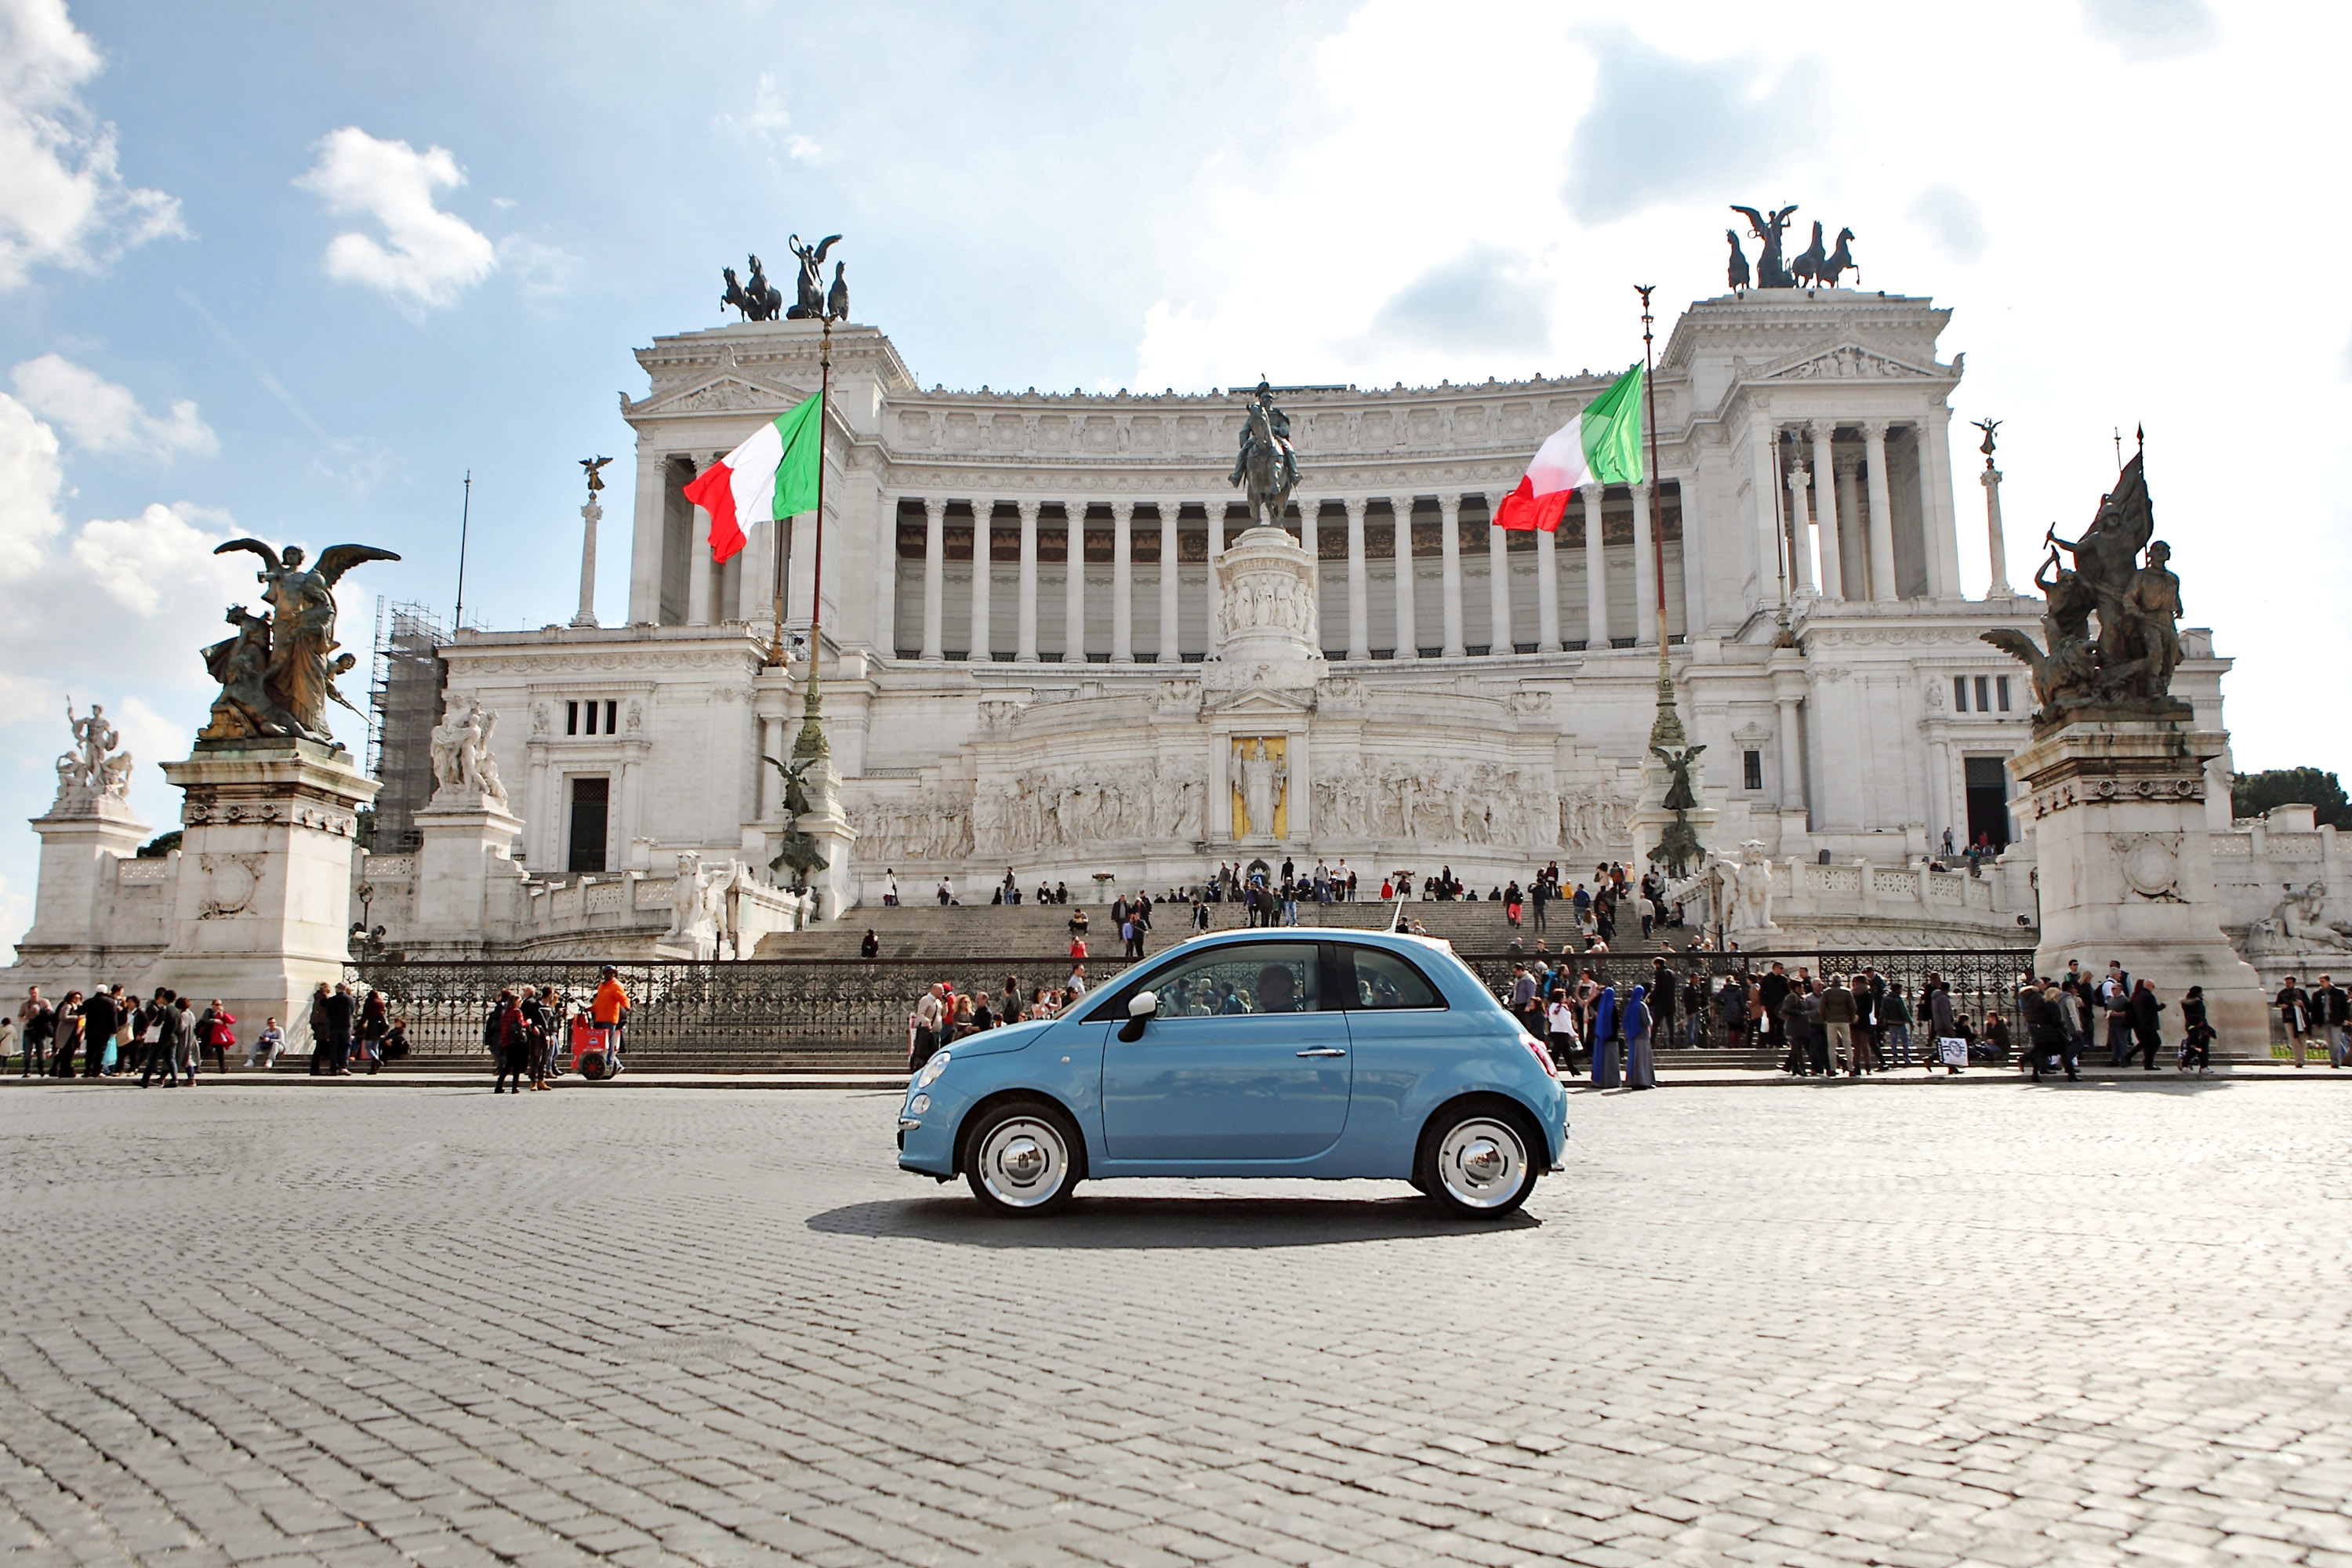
{"points": [[1266, 467]]}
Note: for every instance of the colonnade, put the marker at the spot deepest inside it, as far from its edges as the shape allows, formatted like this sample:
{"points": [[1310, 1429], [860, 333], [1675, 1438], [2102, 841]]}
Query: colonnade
{"points": [[1854, 509], [1505, 635]]}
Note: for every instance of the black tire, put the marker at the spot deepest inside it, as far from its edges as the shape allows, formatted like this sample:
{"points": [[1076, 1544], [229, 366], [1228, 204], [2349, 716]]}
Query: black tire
{"points": [[1479, 1158], [1022, 1158]]}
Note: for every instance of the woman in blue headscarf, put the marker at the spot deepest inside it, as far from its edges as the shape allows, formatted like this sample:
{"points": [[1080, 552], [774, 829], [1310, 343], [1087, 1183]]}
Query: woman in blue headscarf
{"points": [[1605, 1040], [1641, 1066]]}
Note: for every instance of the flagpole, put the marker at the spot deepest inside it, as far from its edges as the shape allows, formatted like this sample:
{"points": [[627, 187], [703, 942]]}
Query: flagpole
{"points": [[810, 741], [1668, 729]]}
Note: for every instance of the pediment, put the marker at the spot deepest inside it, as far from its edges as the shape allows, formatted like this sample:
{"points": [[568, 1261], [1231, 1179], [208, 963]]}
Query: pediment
{"points": [[1262, 701], [724, 393], [1846, 361]]}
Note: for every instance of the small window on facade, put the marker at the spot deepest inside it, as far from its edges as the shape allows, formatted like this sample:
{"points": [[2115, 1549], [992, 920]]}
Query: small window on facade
{"points": [[1751, 769], [1960, 692], [572, 718], [2000, 690], [1984, 694], [611, 705], [591, 716]]}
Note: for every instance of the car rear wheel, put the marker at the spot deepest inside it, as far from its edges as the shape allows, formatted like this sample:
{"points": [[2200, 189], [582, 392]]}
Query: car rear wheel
{"points": [[1022, 1159], [1476, 1159]]}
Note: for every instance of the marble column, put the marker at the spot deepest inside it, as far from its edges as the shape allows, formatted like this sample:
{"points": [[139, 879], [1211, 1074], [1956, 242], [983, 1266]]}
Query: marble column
{"points": [[1853, 541], [755, 586], [1882, 512], [1074, 587], [1169, 652], [1216, 515], [1995, 545], [935, 565], [590, 516], [1801, 525], [982, 515], [1499, 637], [1824, 467], [1938, 524], [1546, 590], [1596, 573], [1024, 648], [699, 583], [1359, 599], [1646, 571], [1792, 772], [1310, 519], [1408, 636], [1449, 556], [1764, 480], [1122, 582]]}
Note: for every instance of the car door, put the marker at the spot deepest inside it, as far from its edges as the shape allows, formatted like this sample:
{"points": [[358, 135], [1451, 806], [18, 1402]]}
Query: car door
{"points": [[1241, 1063]]}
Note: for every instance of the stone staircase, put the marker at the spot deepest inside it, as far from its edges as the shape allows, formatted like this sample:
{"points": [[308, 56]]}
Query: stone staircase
{"points": [[991, 932]]}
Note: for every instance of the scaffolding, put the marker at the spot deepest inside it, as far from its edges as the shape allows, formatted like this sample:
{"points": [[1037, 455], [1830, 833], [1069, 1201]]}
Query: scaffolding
{"points": [[404, 705]]}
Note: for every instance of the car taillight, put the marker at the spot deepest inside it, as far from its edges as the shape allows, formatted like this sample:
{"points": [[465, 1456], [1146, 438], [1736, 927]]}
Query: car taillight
{"points": [[1543, 1055]]}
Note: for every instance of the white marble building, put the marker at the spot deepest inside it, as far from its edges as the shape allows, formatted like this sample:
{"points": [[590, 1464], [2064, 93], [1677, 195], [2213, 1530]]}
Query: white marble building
{"points": [[1463, 697]]}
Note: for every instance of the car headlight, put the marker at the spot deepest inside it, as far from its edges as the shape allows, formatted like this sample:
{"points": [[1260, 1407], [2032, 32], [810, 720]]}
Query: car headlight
{"points": [[921, 1103], [932, 1070]]}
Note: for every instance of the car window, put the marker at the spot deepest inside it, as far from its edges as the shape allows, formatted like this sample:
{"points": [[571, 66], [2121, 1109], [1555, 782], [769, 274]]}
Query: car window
{"points": [[1247, 978], [1385, 979]]}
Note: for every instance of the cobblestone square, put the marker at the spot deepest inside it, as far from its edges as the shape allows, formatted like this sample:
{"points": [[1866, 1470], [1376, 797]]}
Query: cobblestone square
{"points": [[1911, 1324]]}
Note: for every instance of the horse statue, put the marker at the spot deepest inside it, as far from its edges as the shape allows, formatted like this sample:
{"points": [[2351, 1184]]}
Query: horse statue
{"points": [[1807, 268], [758, 302], [1738, 271], [1266, 467], [1840, 260]]}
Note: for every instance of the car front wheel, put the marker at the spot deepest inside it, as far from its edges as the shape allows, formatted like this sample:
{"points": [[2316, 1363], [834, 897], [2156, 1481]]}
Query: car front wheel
{"points": [[1477, 1160], [1022, 1159]]}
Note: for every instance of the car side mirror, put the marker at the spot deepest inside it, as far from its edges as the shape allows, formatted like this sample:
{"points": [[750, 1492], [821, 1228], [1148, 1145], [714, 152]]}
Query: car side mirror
{"points": [[1141, 1007]]}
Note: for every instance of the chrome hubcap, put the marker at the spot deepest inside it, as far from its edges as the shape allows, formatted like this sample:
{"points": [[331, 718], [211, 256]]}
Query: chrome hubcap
{"points": [[1021, 1163], [1482, 1163]]}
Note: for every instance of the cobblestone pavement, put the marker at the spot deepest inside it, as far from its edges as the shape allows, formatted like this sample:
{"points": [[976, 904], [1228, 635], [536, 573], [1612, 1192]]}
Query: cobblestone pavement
{"points": [[2088, 1325]]}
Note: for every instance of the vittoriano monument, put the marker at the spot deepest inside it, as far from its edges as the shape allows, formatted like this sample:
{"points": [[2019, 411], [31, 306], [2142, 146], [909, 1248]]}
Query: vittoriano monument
{"points": [[279, 671]]}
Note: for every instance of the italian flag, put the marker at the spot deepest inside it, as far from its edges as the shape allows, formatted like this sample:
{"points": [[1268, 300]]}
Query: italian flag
{"points": [[1602, 445], [771, 477]]}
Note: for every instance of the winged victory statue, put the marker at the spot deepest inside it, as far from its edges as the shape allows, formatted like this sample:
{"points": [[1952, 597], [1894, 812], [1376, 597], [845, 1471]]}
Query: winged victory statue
{"points": [[278, 673]]}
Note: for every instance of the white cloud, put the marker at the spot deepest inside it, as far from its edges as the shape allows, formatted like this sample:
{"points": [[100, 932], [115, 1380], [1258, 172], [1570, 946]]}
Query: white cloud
{"points": [[1175, 352], [102, 416], [542, 272], [427, 257], [1662, 127], [24, 698], [2145, 30], [30, 480], [160, 553], [1483, 299], [62, 200], [1951, 220], [769, 123]]}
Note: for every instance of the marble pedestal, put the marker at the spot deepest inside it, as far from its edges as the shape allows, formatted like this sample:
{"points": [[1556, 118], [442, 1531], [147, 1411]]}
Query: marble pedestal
{"points": [[263, 906], [80, 843], [2116, 807], [834, 884], [464, 854]]}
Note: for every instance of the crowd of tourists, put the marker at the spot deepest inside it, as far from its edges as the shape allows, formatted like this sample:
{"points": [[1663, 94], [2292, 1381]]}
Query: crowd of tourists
{"points": [[946, 1013], [110, 1032], [528, 1033]]}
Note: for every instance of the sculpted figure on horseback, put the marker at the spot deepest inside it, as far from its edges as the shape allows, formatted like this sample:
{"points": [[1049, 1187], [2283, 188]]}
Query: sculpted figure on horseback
{"points": [[1268, 465]]}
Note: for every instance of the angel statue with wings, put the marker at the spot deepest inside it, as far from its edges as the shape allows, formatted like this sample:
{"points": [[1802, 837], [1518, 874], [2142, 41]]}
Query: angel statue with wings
{"points": [[280, 668]]}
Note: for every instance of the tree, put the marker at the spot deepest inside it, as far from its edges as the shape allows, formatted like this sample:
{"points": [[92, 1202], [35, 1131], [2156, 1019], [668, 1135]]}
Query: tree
{"points": [[162, 845], [2251, 794]]}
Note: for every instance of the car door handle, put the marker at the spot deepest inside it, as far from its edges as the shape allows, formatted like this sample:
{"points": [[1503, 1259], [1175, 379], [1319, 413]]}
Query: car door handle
{"points": [[1324, 1051]]}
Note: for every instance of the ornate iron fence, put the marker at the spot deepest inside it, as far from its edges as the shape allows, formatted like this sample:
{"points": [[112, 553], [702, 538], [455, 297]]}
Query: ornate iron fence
{"points": [[775, 1009], [757, 1007]]}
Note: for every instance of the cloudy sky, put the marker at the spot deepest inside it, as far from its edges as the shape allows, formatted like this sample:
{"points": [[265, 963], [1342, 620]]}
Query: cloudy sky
{"points": [[293, 270]]}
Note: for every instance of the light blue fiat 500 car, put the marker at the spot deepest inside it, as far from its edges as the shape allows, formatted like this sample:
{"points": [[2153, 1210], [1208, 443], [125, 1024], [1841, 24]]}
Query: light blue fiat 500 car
{"points": [[1261, 1053]]}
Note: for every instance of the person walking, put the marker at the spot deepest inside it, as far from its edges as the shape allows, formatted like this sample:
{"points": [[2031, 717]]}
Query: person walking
{"points": [[2038, 1017], [2295, 1016], [374, 1024], [1606, 1038], [2144, 1009], [608, 1013], [321, 1059], [331, 1017], [1559, 1029], [100, 1016], [154, 1050], [931, 1011], [543, 1015], [2074, 1026], [2331, 1014], [2114, 1004], [1794, 1029], [2196, 1032], [180, 1031]]}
